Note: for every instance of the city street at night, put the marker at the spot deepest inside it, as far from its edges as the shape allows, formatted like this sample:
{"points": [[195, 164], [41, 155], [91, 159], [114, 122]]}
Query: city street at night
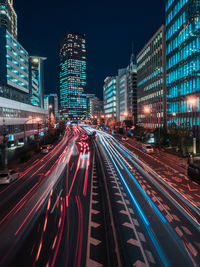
{"points": [[100, 133], [92, 201]]}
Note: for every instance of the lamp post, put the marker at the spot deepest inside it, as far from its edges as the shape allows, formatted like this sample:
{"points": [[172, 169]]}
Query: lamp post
{"points": [[148, 110], [4, 146], [192, 101], [30, 119], [38, 138]]}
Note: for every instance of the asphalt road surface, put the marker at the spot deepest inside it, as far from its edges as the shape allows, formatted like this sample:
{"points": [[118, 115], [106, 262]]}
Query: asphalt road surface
{"points": [[93, 202]]}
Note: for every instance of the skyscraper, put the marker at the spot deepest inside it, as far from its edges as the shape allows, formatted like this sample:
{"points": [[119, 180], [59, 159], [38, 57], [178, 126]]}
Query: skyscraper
{"points": [[110, 98], [73, 75], [132, 88], [122, 95], [183, 62], [151, 82], [8, 17]]}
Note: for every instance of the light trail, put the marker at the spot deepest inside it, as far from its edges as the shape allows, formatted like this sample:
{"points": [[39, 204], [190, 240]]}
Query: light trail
{"points": [[169, 229], [59, 235]]}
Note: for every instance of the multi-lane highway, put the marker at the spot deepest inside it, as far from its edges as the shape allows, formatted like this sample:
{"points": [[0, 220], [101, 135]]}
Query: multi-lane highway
{"points": [[93, 202], [152, 219]]}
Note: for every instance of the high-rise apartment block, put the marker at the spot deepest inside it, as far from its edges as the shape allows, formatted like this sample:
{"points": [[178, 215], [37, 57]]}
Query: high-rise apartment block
{"points": [[120, 94], [151, 82], [21, 96], [183, 62], [110, 98], [132, 89], [14, 67], [8, 17], [73, 75]]}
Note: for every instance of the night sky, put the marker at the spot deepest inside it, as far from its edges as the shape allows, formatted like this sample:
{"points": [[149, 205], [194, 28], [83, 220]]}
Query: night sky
{"points": [[110, 25]]}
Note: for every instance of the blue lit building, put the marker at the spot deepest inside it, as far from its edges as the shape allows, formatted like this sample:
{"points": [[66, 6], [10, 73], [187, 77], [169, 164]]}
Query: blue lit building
{"points": [[151, 82], [14, 67], [72, 76], [122, 95], [110, 99], [183, 62], [8, 17], [18, 117]]}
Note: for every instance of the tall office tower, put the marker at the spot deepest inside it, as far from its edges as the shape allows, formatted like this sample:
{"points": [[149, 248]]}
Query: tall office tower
{"points": [[14, 68], [36, 82], [110, 98], [183, 62], [132, 88], [122, 95], [151, 82], [73, 75], [89, 98], [8, 17]]}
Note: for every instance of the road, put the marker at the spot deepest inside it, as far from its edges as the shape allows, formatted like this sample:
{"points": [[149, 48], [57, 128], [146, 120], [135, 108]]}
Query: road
{"points": [[152, 219], [93, 202], [52, 215]]}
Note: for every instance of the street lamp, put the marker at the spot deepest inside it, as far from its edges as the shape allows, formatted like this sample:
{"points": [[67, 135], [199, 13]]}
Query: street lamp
{"points": [[30, 119], [192, 101], [147, 109], [37, 141]]}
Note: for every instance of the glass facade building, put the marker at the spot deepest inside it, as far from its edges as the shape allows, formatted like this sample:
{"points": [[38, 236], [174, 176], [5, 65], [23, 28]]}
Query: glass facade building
{"points": [[110, 98], [72, 75], [122, 95], [14, 64], [183, 61], [8, 17], [151, 82], [132, 89]]}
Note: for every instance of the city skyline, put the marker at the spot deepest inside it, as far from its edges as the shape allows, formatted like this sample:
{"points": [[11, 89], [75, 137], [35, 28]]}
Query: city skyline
{"points": [[103, 40], [90, 182]]}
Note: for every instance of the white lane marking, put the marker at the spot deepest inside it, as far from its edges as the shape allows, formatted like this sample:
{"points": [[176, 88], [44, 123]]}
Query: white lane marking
{"points": [[129, 211], [141, 236], [150, 256], [128, 225], [95, 201], [186, 230], [95, 212], [95, 225], [124, 212], [169, 218], [179, 232], [92, 263], [135, 222], [192, 249], [88, 260], [120, 202], [58, 197], [139, 263], [133, 242], [94, 241]]}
